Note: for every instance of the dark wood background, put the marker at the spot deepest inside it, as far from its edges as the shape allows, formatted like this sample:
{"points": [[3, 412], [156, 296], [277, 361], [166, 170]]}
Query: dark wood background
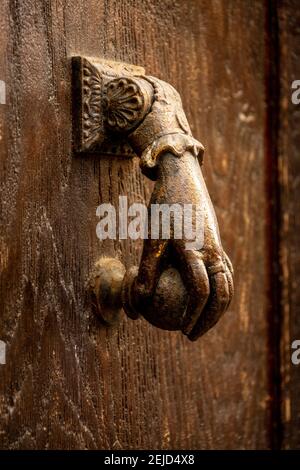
{"points": [[70, 383], [289, 221]]}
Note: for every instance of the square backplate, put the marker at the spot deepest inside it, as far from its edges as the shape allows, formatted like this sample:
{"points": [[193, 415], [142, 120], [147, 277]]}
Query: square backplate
{"points": [[89, 75]]}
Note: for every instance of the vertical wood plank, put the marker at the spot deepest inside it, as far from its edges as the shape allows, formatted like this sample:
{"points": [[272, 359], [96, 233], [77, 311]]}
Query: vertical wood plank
{"points": [[289, 186], [70, 383]]}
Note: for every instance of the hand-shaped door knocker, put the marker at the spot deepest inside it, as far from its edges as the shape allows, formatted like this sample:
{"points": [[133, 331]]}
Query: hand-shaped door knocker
{"points": [[178, 285]]}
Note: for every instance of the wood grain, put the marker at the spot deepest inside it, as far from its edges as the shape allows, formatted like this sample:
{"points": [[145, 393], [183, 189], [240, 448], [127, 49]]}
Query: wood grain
{"points": [[289, 187], [68, 382]]}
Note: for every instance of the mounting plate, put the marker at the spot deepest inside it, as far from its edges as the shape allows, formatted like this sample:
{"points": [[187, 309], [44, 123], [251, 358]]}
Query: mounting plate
{"points": [[89, 76]]}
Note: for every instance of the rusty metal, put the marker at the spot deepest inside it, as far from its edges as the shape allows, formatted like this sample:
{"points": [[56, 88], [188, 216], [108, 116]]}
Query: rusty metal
{"points": [[110, 288], [174, 288], [89, 77], [106, 287]]}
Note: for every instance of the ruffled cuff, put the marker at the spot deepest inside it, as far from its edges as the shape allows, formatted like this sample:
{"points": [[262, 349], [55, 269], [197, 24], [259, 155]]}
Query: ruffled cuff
{"points": [[177, 144]]}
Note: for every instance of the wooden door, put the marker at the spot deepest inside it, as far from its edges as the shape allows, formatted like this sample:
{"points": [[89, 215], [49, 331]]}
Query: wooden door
{"points": [[68, 382]]}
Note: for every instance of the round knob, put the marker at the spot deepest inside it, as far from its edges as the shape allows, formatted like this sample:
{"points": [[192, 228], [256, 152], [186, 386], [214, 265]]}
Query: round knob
{"points": [[126, 101], [110, 286]]}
